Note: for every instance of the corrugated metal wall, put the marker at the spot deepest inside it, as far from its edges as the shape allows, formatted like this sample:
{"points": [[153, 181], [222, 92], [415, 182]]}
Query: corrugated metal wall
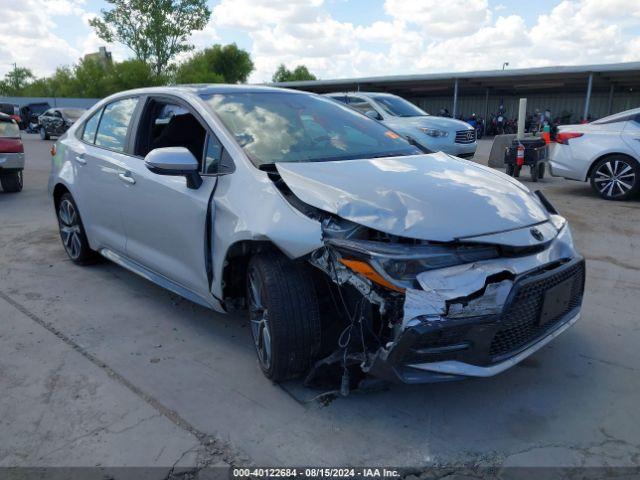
{"points": [[53, 101], [557, 103]]}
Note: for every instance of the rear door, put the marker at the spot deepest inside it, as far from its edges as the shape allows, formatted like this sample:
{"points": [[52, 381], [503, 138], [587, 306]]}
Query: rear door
{"points": [[166, 222], [101, 165]]}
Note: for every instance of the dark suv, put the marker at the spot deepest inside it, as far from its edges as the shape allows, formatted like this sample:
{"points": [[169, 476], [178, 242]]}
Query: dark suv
{"points": [[55, 121]]}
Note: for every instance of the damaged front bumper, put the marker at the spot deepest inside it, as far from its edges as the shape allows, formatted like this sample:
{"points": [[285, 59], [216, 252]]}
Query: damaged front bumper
{"points": [[541, 304]]}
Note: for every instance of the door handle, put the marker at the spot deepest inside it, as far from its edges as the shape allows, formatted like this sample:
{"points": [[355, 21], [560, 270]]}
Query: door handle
{"points": [[127, 178], [80, 160]]}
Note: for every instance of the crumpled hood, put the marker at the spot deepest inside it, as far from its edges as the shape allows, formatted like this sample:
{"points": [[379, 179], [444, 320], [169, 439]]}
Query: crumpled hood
{"points": [[428, 197]]}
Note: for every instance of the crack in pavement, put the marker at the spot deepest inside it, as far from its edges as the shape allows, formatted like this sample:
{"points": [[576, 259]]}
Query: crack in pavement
{"points": [[212, 449]]}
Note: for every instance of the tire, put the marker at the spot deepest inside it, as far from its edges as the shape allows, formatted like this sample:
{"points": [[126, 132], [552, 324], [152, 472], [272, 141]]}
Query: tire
{"points": [[534, 172], [284, 314], [616, 177], [72, 233], [43, 134], [12, 182]]}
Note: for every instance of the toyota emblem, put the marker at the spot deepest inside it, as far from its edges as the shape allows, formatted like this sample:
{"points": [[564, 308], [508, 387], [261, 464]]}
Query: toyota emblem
{"points": [[537, 234]]}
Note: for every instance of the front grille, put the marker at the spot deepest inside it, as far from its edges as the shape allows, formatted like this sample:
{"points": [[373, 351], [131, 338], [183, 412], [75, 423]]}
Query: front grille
{"points": [[465, 136], [520, 324]]}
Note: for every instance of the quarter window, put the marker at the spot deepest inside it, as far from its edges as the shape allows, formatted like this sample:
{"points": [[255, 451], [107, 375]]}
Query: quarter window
{"points": [[212, 155], [90, 127], [114, 124]]}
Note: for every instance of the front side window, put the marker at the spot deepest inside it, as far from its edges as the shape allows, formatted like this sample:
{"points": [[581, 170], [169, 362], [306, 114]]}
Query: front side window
{"points": [[90, 127], [114, 124], [276, 127], [399, 107]]}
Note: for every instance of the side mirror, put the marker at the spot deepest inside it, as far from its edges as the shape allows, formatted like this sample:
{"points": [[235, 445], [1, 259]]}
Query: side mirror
{"points": [[373, 114], [175, 161]]}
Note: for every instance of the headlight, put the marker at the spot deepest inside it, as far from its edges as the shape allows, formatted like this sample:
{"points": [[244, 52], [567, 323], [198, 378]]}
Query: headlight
{"points": [[432, 132], [400, 264], [558, 221]]}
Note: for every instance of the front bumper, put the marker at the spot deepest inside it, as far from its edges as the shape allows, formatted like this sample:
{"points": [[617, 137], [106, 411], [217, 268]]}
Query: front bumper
{"points": [[483, 346], [11, 161]]}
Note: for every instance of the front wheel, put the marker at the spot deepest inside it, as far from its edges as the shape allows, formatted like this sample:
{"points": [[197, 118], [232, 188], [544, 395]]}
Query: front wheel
{"points": [[616, 178], [74, 238], [43, 134], [285, 315], [12, 182]]}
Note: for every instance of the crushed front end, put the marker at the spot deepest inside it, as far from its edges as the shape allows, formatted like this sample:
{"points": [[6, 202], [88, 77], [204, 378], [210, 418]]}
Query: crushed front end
{"points": [[416, 311]]}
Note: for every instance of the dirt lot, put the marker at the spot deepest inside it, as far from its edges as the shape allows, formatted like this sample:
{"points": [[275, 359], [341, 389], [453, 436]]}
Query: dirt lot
{"points": [[101, 367]]}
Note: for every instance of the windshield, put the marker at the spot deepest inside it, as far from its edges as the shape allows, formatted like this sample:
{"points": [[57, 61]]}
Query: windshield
{"points": [[399, 107], [72, 113], [9, 130], [274, 127]]}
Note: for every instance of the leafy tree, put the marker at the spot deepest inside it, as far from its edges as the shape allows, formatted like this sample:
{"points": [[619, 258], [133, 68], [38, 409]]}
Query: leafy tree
{"points": [[218, 64], [155, 30], [301, 72], [15, 80]]}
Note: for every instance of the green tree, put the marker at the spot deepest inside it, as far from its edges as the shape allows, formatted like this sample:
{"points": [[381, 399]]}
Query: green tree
{"points": [[155, 30], [218, 64], [15, 80], [301, 72]]}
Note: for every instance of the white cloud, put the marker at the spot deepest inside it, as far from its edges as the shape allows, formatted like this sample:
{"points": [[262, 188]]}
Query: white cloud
{"points": [[27, 37], [414, 36]]}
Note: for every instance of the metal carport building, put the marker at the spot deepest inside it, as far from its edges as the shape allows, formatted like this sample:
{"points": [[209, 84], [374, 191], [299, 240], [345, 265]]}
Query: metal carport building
{"points": [[581, 91]]}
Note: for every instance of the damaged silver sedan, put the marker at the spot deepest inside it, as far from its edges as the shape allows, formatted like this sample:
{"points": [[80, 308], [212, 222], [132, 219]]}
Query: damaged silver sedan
{"points": [[355, 252]]}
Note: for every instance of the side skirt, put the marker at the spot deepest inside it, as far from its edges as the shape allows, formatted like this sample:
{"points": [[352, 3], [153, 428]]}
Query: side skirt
{"points": [[160, 280]]}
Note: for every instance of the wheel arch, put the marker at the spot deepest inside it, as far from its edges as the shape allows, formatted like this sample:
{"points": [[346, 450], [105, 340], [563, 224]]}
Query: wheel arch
{"points": [[59, 190], [236, 262]]}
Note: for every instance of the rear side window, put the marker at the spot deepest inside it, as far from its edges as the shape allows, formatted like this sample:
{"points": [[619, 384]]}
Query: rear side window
{"points": [[112, 130], [90, 127]]}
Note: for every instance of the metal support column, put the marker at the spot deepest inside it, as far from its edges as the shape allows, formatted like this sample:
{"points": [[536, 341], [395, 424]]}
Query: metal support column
{"points": [[588, 99], [486, 105], [610, 104], [455, 99]]}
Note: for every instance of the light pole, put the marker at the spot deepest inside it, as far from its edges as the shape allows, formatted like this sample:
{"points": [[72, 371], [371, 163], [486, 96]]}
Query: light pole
{"points": [[505, 65]]}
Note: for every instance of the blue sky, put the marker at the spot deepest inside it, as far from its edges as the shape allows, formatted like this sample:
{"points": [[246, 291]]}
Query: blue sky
{"points": [[345, 38]]}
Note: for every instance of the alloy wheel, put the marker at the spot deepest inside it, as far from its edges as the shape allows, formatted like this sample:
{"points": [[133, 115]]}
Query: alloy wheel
{"points": [[614, 178], [70, 228], [259, 317]]}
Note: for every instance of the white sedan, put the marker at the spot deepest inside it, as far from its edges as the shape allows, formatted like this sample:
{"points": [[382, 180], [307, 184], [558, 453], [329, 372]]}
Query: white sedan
{"points": [[606, 152]]}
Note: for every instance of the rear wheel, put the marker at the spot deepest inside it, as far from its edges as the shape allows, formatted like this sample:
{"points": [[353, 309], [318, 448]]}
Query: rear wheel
{"points": [[74, 239], [12, 181], [510, 169], [616, 177], [284, 314]]}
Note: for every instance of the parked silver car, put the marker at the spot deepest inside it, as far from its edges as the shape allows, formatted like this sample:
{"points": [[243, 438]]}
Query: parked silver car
{"points": [[605, 152], [438, 134], [353, 251]]}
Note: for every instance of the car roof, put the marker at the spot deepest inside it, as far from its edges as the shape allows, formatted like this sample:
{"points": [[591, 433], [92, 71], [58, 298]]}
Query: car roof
{"points": [[364, 94], [213, 88]]}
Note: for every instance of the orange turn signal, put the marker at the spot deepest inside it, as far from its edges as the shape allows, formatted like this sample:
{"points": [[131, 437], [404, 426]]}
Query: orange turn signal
{"points": [[53, 150], [366, 270]]}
